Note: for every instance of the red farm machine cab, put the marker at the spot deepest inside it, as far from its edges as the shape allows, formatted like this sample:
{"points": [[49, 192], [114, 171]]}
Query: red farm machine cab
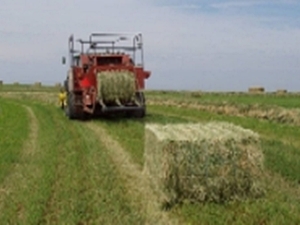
{"points": [[106, 76]]}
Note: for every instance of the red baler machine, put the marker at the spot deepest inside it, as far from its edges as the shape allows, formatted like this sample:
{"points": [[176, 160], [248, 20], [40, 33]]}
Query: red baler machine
{"points": [[104, 52]]}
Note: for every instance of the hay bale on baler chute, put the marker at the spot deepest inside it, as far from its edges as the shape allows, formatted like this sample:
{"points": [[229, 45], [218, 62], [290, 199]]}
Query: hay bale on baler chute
{"points": [[212, 162], [116, 86]]}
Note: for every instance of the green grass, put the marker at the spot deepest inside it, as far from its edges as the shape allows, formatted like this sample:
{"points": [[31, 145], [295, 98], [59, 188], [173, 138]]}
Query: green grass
{"points": [[69, 180], [276, 208], [283, 159], [14, 131], [26, 88]]}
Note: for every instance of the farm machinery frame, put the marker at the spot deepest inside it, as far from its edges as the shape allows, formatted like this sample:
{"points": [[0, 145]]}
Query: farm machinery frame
{"points": [[104, 52]]}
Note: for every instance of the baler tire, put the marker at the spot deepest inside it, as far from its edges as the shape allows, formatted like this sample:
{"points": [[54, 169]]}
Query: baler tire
{"points": [[139, 113], [70, 108]]}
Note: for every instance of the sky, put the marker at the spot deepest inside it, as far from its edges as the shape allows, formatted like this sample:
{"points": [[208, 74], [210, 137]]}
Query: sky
{"points": [[188, 45]]}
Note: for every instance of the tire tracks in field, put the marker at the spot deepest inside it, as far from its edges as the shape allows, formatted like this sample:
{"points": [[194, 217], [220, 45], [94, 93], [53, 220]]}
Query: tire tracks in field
{"points": [[137, 184], [17, 179]]}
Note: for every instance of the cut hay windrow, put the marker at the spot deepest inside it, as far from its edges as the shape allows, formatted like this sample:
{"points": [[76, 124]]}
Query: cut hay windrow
{"points": [[209, 162], [116, 86], [270, 113]]}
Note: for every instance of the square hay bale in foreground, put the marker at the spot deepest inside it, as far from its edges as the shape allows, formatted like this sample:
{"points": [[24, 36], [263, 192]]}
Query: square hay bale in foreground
{"points": [[208, 162]]}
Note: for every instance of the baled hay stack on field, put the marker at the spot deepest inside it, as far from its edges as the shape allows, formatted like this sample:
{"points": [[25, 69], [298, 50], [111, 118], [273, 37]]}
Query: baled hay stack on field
{"points": [[116, 86], [281, 91], [256, 90], [196, 94], [57, 85], [212, 162], [37, 84]]}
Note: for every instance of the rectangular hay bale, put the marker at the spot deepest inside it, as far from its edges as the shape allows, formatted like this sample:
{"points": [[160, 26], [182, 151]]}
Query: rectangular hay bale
{"points": [[281, 91], [57, 85], [37, 84], [256, 90], [203, 162], [116, 86]]}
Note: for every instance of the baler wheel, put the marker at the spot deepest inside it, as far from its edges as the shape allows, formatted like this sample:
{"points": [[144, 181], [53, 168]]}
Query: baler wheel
{"points": [[70, 108], [139, 113]]}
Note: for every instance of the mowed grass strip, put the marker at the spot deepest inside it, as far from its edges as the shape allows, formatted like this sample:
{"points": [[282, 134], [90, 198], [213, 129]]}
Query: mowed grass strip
{"points": [[69, 180], [136, 183], [26, 201], [86, 188], [22, 172], [14, 130], [130, 132]]}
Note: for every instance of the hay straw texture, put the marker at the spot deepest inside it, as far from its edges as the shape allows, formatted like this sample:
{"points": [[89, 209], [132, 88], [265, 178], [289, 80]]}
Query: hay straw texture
{"points": [[212, 162], [116, 86]]}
